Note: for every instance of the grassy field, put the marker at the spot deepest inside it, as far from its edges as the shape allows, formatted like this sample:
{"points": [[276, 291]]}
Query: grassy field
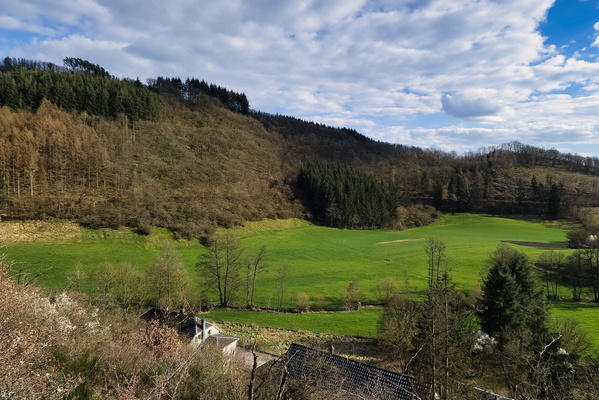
{"points": [[319, 261], [322, 261], [55, 250], [585, 314], [349, 323], [363, 323]]}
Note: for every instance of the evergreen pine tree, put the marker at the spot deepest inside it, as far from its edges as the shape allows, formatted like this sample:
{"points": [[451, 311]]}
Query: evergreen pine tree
{"points": [[554, 202], [512, 300]]}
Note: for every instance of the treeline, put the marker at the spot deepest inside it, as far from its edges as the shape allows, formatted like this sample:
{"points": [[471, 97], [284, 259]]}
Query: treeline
{"points": [[345, 198], [80, 65], [530, 156], [482, 189], [491, 180], [294, 126], [24, 86], [340, 144], [192, 89], [579, 270], [11, 63], [502, 338]]}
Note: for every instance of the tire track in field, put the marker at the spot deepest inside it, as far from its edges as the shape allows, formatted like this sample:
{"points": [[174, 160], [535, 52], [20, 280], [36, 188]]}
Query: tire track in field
{"points": [[399, 241]]}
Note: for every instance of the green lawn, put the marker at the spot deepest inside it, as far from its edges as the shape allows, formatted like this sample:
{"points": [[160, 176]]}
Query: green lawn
{"points": [[348, 323], [320, 261]]}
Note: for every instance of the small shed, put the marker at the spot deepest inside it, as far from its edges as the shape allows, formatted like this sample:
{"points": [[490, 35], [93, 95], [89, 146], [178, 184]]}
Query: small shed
{"points": [[198, 330]]}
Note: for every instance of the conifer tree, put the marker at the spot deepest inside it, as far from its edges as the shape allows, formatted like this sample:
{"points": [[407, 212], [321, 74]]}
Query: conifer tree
{"points": [[512, 300], [447, 329]]}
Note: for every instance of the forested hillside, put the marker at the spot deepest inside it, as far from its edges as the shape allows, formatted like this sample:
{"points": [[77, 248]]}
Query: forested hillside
{"points": [[82, 87], [77, 143]]}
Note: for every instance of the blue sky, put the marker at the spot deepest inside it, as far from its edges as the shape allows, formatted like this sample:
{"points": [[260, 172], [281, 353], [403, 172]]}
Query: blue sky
{"points": [[453, 75]]}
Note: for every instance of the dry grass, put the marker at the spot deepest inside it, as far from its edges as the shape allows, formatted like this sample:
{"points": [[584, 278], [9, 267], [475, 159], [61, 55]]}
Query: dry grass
{"points": [[32, 231], [58, 347], [277, 341]]}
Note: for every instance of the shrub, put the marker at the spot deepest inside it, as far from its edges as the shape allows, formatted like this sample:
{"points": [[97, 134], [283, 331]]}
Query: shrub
{"points": [[303, 302]]}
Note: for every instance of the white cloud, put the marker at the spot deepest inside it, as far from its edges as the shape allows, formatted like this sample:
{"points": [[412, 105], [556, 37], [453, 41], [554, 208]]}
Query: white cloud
{"points": [[471, 103], [377, 65], [12, 23]]}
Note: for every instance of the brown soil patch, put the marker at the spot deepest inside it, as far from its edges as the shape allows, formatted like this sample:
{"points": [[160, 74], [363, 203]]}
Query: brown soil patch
{"points": [[537, 244], [399, 241]]}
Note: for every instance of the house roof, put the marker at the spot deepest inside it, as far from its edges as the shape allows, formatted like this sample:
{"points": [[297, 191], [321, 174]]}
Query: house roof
{"points": [[349, 375], [186, 324], [222, 341], [164, 314]]}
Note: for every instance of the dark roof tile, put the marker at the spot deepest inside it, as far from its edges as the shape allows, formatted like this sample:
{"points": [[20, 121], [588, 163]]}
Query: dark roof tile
{"points": [[349, 375]]}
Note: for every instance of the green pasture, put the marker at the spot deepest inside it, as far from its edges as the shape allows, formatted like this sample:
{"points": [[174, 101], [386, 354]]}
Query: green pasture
{"points": [[364, 322], [55, 259], [347, 323], [319, 261], [585, 314], [322, 261]]}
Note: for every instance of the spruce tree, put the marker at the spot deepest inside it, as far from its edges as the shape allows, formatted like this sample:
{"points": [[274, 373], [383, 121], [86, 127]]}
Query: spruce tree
{"points": [[512, 300], [446, 329], [554, 202]]}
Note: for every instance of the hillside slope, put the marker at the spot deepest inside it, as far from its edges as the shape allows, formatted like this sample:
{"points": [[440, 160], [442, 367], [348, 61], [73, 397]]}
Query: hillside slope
{"points": [[198, 167], [194, 164]]}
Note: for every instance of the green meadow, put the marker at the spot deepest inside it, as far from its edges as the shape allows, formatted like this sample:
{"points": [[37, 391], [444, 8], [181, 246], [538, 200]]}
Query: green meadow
{"points": [[364, 322], [585, 314], [40, 249], [322, 261], [349, 323], [319, 261]]}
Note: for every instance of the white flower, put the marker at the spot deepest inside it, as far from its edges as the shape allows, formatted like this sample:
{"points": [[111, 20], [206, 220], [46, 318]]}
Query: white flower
{"points": [[482, 340]]}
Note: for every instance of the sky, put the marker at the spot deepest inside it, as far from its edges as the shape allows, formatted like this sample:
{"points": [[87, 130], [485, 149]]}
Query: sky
{"points": [[456, 75]]}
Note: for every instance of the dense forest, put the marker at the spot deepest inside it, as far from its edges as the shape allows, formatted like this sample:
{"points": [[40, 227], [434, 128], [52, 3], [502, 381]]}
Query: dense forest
{"points": [[192, 89], [78, 143], [346, 198], [83, 87]]}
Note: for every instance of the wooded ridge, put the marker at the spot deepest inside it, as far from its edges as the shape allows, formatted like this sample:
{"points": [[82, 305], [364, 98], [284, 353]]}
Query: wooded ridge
{"points": [[78, 143]]}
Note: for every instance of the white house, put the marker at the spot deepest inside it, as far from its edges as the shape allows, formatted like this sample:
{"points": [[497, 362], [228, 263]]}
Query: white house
{"points": [[197, 329]]}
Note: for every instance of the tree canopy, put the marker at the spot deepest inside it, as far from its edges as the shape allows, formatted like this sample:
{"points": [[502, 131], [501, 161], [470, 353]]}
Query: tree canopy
{"points": [[346, 198], [512, 299], [90, 90], [192, 88]]}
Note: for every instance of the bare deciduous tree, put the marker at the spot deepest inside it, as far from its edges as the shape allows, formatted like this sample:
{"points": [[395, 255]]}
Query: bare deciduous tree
{"points": [[169, 280], [255, 266], [221, 265]]}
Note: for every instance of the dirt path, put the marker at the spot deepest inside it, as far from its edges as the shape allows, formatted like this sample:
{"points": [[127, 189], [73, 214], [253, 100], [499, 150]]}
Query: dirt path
{"points": [[399, 241], [537, 244]]}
